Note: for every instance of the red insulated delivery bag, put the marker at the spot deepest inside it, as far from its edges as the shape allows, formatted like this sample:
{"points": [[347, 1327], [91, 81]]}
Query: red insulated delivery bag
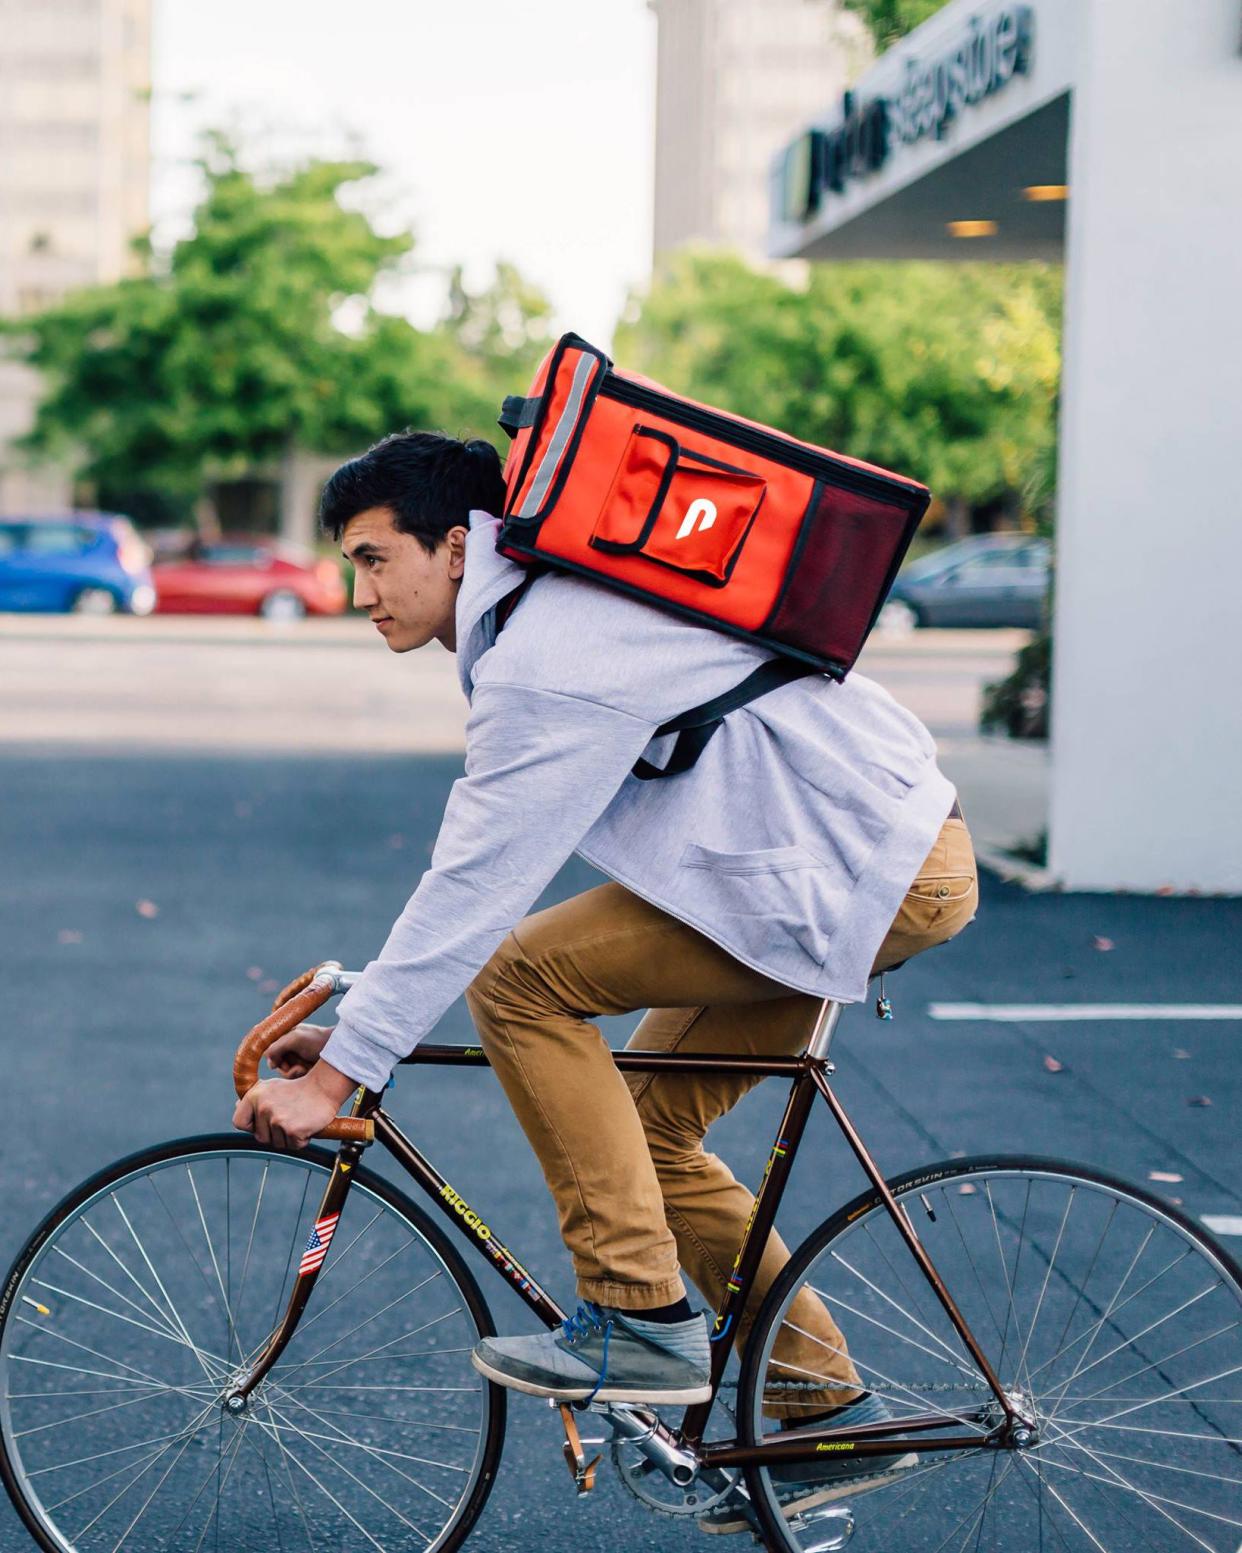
{"points": [[717, 518]]}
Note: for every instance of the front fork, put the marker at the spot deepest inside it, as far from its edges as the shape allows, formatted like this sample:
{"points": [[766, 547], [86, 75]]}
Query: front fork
{"points": [[331, 1205]]}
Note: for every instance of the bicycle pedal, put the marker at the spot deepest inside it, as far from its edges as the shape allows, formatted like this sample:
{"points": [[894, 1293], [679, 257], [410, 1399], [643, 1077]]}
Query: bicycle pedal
{"points": [[580, 1469]]}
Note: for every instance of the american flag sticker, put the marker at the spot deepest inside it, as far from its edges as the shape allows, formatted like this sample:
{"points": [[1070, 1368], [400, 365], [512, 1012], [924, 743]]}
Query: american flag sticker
{"points": [[317, 1243]]}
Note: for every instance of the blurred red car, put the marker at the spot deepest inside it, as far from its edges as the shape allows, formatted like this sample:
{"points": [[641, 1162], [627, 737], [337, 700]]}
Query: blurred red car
{"points": [[244, 574]]}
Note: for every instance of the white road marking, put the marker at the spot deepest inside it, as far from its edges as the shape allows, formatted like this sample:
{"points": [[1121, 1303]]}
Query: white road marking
{"points": [[1223, 1224], [1084, 1011]]}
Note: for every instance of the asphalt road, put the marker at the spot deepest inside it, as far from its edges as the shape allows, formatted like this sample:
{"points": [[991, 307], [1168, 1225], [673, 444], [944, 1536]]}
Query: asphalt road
{"points": [[154, 889]]}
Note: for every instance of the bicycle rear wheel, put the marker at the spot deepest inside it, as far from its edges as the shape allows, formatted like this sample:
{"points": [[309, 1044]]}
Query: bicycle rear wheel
{"points": [[1115, 1319], [154, 1282]]}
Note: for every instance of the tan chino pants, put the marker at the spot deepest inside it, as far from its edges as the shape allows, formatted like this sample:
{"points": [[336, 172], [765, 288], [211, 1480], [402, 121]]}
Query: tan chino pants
{"points": [[638, 1196]]}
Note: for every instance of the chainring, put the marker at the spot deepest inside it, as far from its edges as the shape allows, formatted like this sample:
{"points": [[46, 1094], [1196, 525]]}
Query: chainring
{"points": [[651, 1487]]}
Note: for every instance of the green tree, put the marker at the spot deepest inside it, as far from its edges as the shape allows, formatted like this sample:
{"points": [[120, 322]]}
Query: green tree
{"points": [[944, 372], [890, 20], [257, 334]]}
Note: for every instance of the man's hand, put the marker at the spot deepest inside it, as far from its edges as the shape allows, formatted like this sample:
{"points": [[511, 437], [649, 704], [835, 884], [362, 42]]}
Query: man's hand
{"points": [[289, 1112], [295, 1054]]}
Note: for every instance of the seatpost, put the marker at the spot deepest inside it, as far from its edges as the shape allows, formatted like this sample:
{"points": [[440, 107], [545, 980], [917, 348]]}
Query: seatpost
{"points": [[821, 1036]]}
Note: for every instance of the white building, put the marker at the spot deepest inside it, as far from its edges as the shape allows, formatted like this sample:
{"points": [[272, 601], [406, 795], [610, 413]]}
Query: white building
{"points": [[75, 82], [963, 141], [734, 78]]}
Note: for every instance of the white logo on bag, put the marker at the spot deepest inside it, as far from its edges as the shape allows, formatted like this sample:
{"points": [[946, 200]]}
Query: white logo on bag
{"points": [[702, 508]]}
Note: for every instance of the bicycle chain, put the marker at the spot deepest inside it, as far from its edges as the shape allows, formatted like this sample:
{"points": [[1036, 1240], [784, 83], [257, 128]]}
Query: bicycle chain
{"points": [[915, 1388]]}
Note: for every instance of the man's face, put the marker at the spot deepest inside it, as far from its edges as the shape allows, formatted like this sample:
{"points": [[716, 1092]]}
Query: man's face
{"points": [[410, 595]]}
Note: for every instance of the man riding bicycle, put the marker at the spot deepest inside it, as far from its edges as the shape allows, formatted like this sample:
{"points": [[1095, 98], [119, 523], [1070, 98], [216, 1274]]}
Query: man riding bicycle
{"points": [[814, 843]]}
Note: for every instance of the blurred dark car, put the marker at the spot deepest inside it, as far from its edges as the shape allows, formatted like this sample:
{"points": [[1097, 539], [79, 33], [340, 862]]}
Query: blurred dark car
{"points": [[986, 580], [244, 574], [90, 563]]}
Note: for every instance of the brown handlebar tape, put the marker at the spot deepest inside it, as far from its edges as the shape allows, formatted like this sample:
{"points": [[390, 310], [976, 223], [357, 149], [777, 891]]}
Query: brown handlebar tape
{"points": [[292, 1011], [298, 984]]}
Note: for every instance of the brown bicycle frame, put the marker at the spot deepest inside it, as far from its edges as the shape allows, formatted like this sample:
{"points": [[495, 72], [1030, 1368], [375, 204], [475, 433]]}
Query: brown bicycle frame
{"points": [[810, 1078]]}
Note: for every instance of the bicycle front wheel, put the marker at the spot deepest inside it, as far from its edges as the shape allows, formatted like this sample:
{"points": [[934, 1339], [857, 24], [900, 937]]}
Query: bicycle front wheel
{"points": [[150, 1286], [1109, 1318]]}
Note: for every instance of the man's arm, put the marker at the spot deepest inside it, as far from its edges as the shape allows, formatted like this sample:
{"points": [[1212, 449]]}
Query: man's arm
{"points": [[540, 769]]}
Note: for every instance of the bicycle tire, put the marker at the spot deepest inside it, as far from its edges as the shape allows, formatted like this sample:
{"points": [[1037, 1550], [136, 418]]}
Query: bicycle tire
{"points": [[1140, 1254], [315, 1162]]}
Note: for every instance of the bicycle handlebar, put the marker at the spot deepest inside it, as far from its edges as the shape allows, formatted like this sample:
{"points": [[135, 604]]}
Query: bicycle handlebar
{"points": [[294, 1003]]}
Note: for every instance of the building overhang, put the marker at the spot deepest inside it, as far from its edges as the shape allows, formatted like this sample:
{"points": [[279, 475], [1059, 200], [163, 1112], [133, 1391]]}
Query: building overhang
{"points": [[965, 121]]}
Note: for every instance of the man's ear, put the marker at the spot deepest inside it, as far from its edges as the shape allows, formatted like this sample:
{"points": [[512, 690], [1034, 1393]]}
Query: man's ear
{"points": [[457, 552]]}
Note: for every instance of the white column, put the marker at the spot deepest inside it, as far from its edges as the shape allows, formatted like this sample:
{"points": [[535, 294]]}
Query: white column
{"points": [[1147, 710]]}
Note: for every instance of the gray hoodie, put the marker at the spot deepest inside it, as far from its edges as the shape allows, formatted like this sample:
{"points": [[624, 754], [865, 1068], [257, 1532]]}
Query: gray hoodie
{"points": [[791, 842]]}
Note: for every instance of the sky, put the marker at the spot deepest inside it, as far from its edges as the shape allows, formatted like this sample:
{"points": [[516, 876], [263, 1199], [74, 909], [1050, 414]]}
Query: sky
{"points": [[504, 131]]}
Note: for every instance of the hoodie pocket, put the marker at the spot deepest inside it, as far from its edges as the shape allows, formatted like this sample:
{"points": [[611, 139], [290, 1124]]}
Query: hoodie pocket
{"points": [[769, 895]]}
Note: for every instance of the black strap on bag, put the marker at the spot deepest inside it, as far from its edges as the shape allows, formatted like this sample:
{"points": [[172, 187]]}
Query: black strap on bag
{"points": [[517, 413], [697, 726]]}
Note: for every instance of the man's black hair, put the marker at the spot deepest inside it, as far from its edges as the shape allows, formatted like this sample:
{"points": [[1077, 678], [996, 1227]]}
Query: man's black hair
{"points": [[430, 483]]}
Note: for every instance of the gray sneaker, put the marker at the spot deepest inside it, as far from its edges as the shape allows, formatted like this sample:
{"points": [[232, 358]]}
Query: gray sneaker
{"points": [[604, 1355], [804, 1485]]}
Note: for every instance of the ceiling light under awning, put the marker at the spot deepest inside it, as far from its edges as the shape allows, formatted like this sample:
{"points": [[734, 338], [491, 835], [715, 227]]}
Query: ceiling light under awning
{"points": [[972, 228], [1045, 193]]}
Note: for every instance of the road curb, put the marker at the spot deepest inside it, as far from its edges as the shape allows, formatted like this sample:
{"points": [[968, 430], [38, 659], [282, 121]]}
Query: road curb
{"points": [[1015, 870]]}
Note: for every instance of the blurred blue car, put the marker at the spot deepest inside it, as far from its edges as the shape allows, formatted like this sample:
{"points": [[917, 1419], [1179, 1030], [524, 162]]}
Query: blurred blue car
{"points": [[985, 580], [90, 563]]}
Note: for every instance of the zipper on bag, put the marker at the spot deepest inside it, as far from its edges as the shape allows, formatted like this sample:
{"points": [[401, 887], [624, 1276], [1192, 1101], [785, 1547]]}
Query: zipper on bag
{"points": [[765, 444]]}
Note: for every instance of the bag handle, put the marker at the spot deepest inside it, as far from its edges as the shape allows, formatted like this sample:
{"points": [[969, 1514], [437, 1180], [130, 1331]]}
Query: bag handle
{"points": [[517, 413], [697, 726]]}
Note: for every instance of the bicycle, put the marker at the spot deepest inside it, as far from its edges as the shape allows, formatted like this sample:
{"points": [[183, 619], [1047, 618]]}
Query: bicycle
{"points": [[214, 1342]]}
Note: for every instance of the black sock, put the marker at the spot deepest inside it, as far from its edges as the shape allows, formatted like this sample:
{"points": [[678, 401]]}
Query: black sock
{"points": [[678, 1311]]}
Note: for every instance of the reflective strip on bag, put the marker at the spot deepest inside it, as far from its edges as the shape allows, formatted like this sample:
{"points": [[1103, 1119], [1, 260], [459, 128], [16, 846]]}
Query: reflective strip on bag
{"points": [[548, 464]]}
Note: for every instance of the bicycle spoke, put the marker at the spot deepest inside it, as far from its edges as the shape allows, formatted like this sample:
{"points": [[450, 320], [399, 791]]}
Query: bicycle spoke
{"points": [[160, 1311], [1024, 1463], [138, 1476], [339, 1437], [254, 1224], [375, 1355], [408, 1423], [76, 1369], [862, 1315], [117, 1294], [375, 1315], [1165, 1466], [293, 1245], [950, 1355], [1039, 1303], [1062, 1401], [1178, 1391], [974, 1266], [234, 1340], [62, 1423], [1098, 1325], [344, 1440], [1153, 1501], [172, 1309], [344, 1364], [171, 1337], [86, 1348], [1004, 1265], [233, 1452]]}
